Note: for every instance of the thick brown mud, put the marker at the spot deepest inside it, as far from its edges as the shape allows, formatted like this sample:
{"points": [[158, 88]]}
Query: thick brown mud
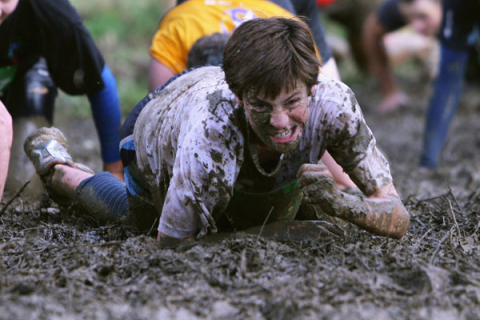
{"points": [[60, 264]]}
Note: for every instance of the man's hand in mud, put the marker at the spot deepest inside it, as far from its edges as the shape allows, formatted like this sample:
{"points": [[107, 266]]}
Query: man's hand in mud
{"points": [[382, 213], [317, 184]]}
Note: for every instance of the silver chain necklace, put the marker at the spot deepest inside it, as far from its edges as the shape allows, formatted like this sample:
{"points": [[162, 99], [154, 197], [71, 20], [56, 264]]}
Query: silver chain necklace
{"points": [[256, 159]]}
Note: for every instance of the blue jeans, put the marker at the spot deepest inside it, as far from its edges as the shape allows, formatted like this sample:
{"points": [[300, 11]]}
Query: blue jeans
{"points": [[443, 104]]}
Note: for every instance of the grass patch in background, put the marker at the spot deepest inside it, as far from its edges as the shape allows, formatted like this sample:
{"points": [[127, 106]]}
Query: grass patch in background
{"points": [[123, 30]]}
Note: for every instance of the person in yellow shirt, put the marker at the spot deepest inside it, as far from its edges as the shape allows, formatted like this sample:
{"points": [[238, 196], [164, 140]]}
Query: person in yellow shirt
{"points": [[191, 20]]}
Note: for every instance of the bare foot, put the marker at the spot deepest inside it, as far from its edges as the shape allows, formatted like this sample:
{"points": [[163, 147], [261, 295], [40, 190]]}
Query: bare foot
{"points": [[392, 102]]}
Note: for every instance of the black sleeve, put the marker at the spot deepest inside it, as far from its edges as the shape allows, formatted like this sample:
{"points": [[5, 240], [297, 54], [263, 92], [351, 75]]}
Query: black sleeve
{"points": [[388, 13], [73, 59]]}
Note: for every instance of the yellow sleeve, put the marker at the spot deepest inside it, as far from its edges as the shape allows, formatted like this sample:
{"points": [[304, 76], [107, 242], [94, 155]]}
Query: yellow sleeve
{"points": [[168, 45]]}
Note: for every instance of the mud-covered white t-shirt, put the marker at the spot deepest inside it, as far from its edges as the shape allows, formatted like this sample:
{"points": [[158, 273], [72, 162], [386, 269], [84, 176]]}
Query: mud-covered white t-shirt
{"points": [[191, 143]]}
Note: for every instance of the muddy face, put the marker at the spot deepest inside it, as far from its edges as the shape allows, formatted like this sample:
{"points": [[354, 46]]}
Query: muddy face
{"points": [[279, 123]]}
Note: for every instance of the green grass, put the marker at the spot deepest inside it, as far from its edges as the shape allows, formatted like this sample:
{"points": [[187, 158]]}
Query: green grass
{"points": [[122, 29]]}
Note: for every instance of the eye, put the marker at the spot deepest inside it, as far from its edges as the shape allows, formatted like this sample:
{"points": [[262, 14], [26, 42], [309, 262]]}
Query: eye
{"points": [[293, 103]]}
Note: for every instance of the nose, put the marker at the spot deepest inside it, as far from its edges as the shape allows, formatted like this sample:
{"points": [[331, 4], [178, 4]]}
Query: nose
{"points": [[279, 118]]}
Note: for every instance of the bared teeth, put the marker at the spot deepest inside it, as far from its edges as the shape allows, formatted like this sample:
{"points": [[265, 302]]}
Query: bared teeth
{"points": [[283, 134]]}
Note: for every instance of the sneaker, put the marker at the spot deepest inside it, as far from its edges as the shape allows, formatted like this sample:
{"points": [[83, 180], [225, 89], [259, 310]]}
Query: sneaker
{"points": [[47, 147]]}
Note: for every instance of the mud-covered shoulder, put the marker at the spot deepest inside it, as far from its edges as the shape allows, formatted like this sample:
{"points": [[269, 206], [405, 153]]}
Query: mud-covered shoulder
{"points": [[179, 99], [339, 119], [334, 110], [334, 94], [194, 112]]}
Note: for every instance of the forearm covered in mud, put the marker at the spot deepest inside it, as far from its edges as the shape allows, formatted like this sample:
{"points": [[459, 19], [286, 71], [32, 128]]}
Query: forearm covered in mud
{"points": [[381, 213], [380, 216]]}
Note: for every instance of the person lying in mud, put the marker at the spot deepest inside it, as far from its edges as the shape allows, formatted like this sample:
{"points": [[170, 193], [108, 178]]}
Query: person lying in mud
{"points": [[176, 44], [214, 137]]}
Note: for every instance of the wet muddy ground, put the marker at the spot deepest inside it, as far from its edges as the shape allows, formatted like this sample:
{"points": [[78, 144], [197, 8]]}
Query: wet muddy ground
{"points": [[58, 264]]}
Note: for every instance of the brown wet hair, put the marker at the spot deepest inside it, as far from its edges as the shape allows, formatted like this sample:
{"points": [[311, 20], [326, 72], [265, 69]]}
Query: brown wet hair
{"points": [[266, 55]]}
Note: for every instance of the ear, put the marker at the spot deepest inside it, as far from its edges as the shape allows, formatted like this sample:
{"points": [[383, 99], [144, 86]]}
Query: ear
{"points": [[313, 89]]}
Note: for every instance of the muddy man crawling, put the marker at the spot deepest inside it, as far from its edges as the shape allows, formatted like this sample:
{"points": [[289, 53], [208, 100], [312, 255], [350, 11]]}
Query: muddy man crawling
{"points": [[235, 144]]}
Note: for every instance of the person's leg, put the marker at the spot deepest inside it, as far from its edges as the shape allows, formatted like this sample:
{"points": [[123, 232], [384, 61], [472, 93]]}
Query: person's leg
{"points": [[352, 16], [100, 195], [30, 101], [65, 179], [443, 104]]}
